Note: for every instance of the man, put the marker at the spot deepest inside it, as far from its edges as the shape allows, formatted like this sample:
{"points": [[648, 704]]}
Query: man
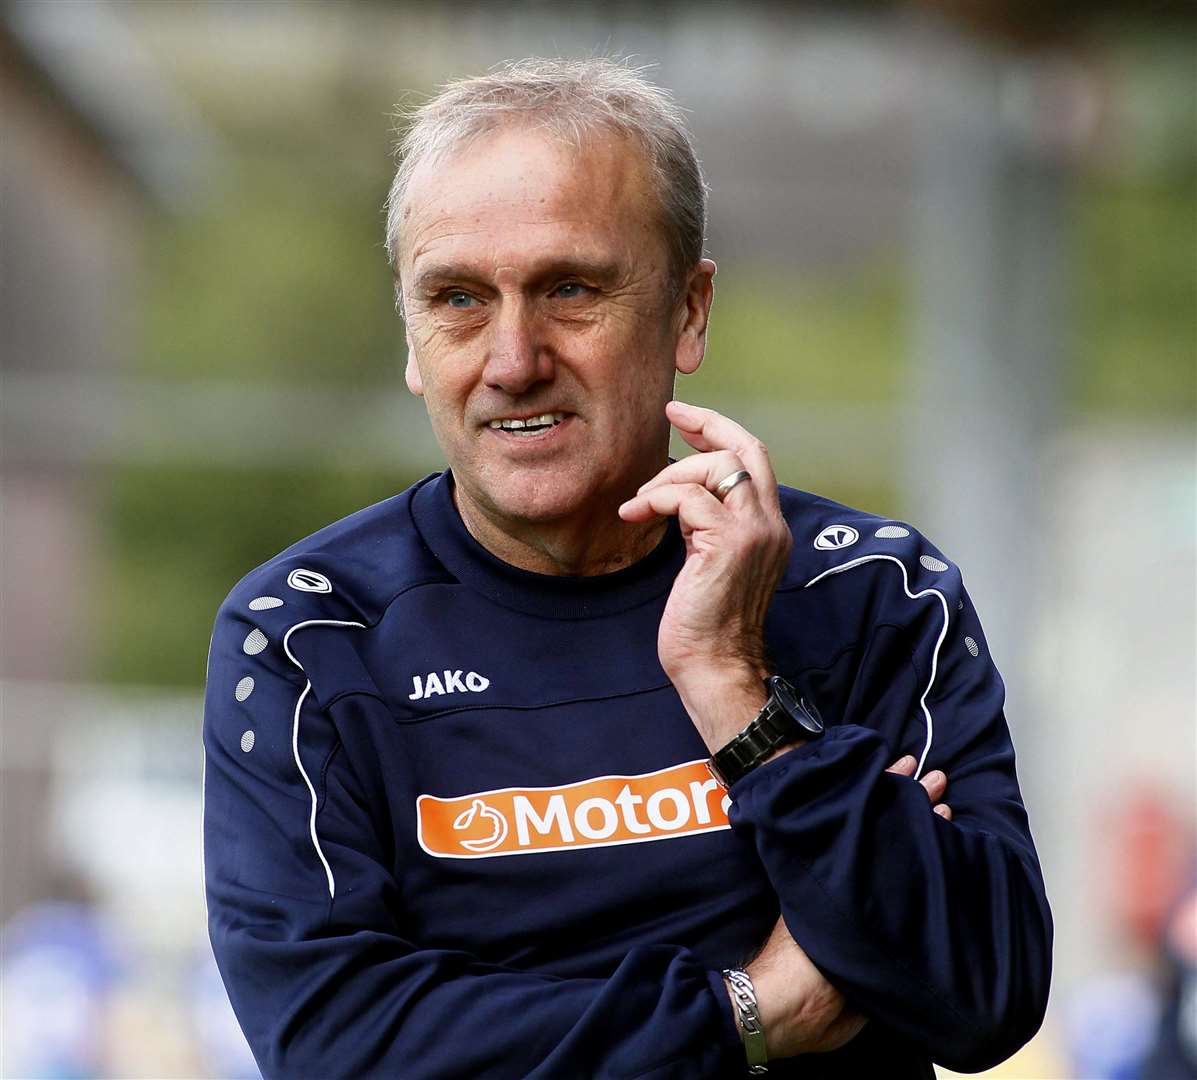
{"points": [[459, 816]]}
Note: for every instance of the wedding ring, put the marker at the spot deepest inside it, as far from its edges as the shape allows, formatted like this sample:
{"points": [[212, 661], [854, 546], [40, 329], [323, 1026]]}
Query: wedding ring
{"points": [[728, 482]]}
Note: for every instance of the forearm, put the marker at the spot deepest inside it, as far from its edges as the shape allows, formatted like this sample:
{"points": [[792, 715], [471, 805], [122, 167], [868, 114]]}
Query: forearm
{"points": [[366, 1005], [940, 930], [720, 698]]}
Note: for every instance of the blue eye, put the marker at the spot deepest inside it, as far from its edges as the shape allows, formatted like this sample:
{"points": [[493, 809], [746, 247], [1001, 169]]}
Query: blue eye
{"points": [[568, 290], [458, 299]]}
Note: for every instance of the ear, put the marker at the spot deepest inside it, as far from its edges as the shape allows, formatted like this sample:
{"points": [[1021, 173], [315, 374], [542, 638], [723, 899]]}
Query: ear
{"points": [[692, 335], [411, 372]]}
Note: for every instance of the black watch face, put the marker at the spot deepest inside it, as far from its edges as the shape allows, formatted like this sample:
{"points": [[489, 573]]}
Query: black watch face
{"points": [[801, 711], [785, 694]]}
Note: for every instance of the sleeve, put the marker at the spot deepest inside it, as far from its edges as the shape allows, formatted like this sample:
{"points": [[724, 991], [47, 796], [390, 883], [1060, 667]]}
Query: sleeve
{"points": [[940, 930], [321, 977]]}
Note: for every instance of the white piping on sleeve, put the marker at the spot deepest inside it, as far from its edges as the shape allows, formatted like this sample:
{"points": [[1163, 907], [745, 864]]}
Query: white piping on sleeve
{"points": [[313, 622], [332, 885], [934, 652]]}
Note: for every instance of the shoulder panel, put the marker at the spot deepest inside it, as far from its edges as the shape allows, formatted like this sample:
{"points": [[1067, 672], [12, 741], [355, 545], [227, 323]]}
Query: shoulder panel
{"points": [[342, 577], [830, 538], [860, 572], [349, 570]]}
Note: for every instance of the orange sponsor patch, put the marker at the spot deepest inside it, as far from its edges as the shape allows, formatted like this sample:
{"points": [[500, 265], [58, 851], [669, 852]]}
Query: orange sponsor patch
{"points": [[678, 801]]}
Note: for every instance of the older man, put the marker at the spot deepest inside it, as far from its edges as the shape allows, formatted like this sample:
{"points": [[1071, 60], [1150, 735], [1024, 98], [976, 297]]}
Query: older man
{"points": [[509, 774]]}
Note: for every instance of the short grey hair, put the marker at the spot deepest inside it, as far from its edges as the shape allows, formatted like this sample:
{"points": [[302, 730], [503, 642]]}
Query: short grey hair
{"points": [[571, 99]]}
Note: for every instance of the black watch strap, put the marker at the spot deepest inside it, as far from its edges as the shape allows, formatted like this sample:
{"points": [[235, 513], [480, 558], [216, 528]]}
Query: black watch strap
{"points": [[785, 718]]}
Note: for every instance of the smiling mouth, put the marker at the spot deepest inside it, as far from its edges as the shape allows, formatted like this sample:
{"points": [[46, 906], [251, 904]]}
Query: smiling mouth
{"points": [[531, 425]]}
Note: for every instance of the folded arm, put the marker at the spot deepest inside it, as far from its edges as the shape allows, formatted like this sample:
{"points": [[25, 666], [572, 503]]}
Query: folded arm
{"points": [[938, 928]]}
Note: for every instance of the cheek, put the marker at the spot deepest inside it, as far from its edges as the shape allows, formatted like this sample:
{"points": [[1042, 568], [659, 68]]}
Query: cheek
{"points": [[443, 394], [636, 384], [443, 366]]}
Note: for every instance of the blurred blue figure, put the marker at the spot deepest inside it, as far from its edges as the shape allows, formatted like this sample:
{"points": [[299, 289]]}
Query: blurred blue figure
{"points": [[1174, 1053], [57, 970], [1109, 1026]]}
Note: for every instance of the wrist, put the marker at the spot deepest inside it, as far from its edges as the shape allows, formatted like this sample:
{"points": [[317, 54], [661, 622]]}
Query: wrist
{"points": [[786, 721], [732, 665], [747, 1016], [771, 994], [721, 700]]}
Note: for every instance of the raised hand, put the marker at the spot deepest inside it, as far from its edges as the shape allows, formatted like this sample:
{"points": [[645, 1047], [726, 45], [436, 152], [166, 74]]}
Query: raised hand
{"points": [[711, 638]]}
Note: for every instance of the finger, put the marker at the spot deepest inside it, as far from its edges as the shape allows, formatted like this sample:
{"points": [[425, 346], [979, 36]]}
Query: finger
{"points": [[706, 469], [943, 810], [707, 430], [904, 766], [696, 506], [935, 783]]}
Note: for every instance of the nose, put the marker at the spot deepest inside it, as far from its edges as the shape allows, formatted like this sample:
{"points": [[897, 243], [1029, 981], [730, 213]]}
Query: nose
{"points": [[517, 358]]}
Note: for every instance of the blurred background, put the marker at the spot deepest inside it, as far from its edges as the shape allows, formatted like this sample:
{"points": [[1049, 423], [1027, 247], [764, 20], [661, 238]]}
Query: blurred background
{"points": [[957, 248]]}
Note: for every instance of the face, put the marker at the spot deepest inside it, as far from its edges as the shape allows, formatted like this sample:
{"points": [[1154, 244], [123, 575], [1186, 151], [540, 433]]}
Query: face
{"points": [[543, 333]]}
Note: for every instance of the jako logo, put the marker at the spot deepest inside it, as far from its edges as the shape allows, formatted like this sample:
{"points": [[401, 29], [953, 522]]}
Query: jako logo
{"points": [[308, 581], [453, 683], [678, 801], [836, 536]]}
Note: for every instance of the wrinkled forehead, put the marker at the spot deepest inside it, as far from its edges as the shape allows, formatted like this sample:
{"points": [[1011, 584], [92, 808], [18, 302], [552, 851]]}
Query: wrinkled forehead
{"points": [[520, 182]]}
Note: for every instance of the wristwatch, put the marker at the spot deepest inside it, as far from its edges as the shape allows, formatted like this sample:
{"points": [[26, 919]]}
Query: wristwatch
{"points": [[785, 718]]}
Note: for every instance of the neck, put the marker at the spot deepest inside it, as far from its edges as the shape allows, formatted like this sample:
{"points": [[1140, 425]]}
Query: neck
{"points": [[599, 544]]}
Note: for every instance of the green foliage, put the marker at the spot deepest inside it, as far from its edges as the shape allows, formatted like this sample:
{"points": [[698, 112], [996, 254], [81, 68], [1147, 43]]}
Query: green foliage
{"points": [[286, 279], [839, 338], [179, 539], [1136, 347]]}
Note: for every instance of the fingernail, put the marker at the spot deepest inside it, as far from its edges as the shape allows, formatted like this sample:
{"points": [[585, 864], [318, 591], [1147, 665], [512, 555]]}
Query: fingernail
{"points": [[941, 811]]}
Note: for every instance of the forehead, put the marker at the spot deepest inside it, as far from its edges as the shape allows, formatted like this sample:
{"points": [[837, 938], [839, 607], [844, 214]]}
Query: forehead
{"points": [[519, 193]]}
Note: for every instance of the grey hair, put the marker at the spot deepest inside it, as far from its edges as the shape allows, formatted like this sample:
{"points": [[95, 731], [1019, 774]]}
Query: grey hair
{"points": [[571, 99]]}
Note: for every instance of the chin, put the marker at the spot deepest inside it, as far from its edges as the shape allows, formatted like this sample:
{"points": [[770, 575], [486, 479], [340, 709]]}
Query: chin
{"points": [[543, 493], [538, 501]]}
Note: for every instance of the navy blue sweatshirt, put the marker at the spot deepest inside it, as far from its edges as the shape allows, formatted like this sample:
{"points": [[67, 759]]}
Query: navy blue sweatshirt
{"points": [[457, 822]]}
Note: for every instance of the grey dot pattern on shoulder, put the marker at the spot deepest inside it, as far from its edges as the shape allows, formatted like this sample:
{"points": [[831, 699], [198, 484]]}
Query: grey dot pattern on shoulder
{"points": [[265, 603], [892, 532], [930, 562], [244, 688], [247, 741], [973, 648], [255, 641]]}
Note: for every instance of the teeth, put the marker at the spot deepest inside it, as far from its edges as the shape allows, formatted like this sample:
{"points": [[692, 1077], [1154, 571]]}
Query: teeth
{"points": [[544, 420]]}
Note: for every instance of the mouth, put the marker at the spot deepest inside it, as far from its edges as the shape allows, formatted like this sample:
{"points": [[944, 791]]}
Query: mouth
{"points": [[528, 427]]}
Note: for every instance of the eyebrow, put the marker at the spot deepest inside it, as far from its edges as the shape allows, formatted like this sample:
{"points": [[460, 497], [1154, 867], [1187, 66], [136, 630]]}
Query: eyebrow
{"points": [[438, 275], [432, 277]]}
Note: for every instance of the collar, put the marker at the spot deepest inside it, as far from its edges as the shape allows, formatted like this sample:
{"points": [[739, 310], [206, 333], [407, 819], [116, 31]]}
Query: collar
{"points": [[547, 595]]}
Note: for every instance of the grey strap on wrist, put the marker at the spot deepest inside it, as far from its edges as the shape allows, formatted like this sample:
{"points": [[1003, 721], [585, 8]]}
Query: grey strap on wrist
{"points": [[748, 1016]]}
